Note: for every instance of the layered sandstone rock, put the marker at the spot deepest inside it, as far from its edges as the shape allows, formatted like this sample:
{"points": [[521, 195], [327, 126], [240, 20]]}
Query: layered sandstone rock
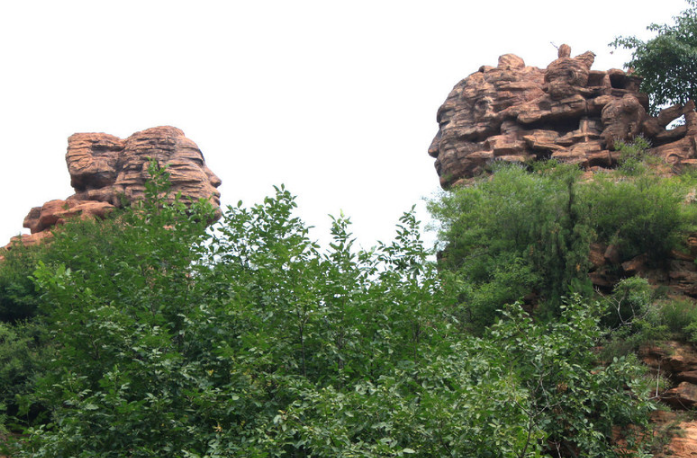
{"points": [[106, 170], [513, 112], [675, 362], [678, 273]]}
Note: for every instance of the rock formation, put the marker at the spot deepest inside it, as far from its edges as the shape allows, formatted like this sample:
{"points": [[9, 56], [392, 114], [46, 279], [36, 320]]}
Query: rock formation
{"points": [[567, 111], [105, 169], [513, 112], [517, 113]]}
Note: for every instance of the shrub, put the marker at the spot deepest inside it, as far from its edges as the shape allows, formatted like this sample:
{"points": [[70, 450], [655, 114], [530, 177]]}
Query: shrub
{"points": [[630, 301], [642, 215], [678, 314], [516, 233], [633, 156]]}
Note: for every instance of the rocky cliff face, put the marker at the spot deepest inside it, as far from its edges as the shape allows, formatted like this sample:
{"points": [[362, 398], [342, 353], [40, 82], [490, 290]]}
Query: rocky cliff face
{"points": [[513, 112], [105, 169], [516, 113]]}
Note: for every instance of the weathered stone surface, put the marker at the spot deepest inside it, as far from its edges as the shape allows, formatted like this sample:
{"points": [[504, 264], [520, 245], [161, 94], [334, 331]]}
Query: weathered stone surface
{"points": [[93, 160], [683, 396], [671, 357], [30, 239], [86, 210], [687, 376], [597, 255], [41, 218], [513, 112], [603, 280], [674, 361], [612, 254], [692, 243], [680, 256], [678, 435], [105, 169], [683, 444], [682, 276], [635, 265]]}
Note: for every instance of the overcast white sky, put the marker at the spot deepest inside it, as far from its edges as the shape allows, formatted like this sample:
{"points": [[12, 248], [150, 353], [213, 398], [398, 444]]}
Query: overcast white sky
{"points": [[335, 99]]}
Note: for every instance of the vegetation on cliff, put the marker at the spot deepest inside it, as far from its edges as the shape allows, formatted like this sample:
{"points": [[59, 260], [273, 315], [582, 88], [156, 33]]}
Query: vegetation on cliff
{"points": [[154, 337], [526, 233]]}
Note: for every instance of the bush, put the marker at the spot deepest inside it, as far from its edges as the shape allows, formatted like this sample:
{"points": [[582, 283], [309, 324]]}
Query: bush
{"points": [[630, 302], [678, 314], [515, 233], [558, 363], [633, 156], [642, 215]]}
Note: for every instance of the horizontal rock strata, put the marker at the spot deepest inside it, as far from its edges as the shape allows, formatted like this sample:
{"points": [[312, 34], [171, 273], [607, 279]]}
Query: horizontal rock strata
{"points": [[515, 113], [106, 170]]}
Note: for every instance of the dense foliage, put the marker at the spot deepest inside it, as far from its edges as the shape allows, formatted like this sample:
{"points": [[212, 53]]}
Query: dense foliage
{"points": [[512, 235], [667, 62], [165, 340], [525, 235]]}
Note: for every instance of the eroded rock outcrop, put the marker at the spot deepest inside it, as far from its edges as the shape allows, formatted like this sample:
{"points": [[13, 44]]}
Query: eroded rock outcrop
{"points": [[105, 169], [676, 363], [678, 272], [513, 112], [517, 113]]}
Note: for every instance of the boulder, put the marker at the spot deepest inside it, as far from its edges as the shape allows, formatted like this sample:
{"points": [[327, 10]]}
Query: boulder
{"points": [[106, 171], [683, 396]]}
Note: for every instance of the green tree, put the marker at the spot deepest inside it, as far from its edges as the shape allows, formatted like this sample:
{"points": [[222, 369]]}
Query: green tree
{"points": [[667, 62]]}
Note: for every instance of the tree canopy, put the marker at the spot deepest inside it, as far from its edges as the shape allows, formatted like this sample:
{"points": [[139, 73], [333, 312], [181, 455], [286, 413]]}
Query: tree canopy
{"points": [[162, 339]]}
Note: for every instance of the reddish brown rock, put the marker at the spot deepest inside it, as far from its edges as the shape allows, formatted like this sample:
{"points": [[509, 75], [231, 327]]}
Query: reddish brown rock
{"points": [[687, 376], [93, 160], [86, 210], [683, 396], [612, 254], [44, 217], [692, 243], [680, 256], [635, 265], [30, 239], [105, 169], [683, 444], [681, 362], [678, 435], [513, 112], [671, 357], [603, 278], [597, 255], [675, 361], [682, 276]]}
